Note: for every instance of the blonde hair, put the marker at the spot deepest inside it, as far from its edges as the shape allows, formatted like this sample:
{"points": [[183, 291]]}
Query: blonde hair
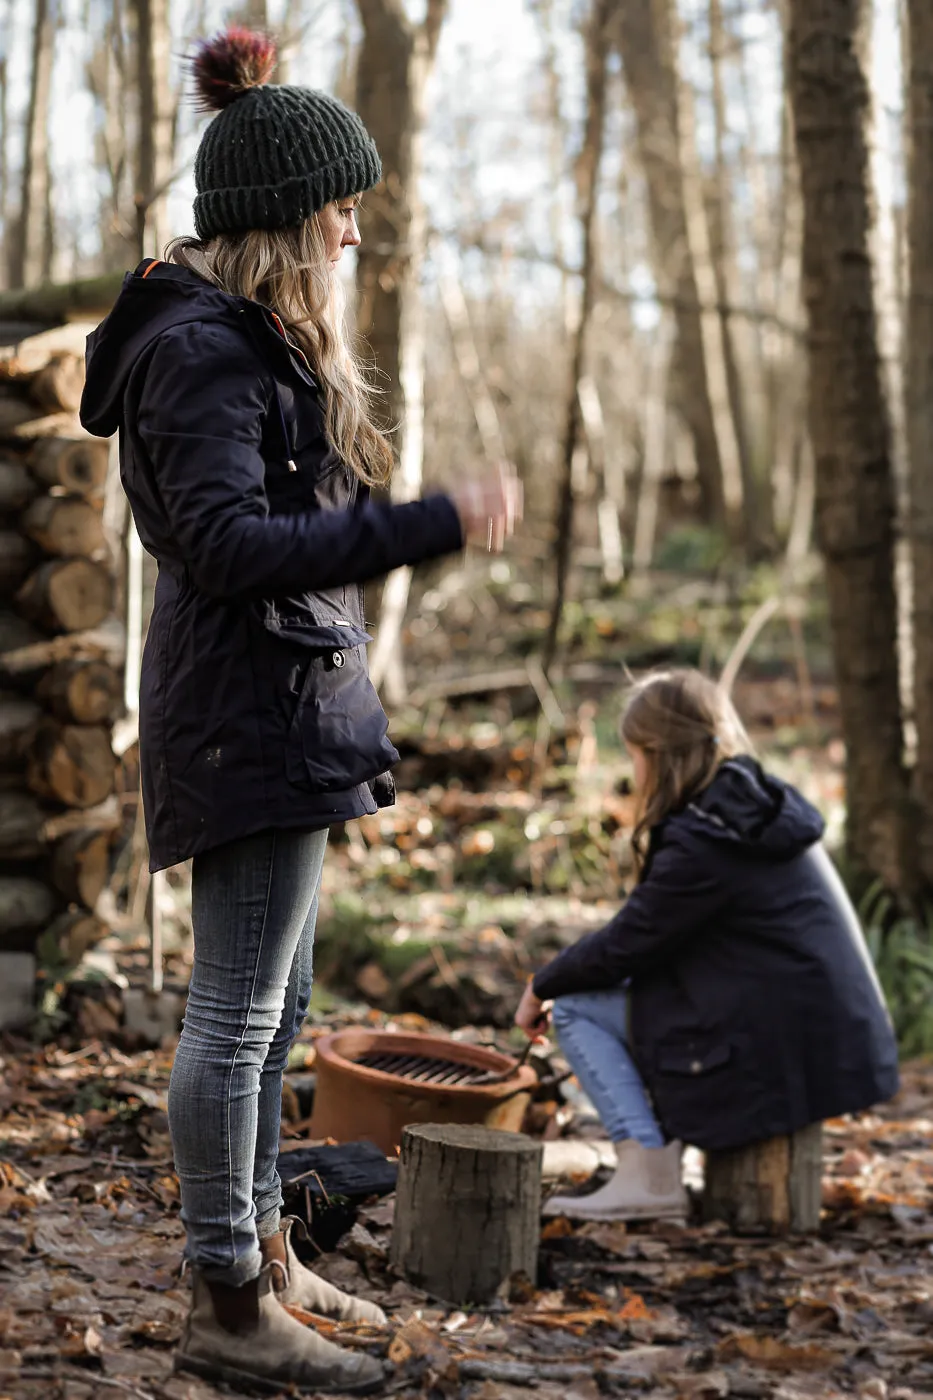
{"points": [[686, 726], [286, 270]]}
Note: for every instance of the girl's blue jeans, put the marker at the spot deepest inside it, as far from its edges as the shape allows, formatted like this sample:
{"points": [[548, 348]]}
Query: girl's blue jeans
{"points": [[591, 1029], [253, 909]]}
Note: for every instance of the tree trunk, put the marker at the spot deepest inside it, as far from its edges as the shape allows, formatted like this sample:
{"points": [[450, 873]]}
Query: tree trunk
{"points": [[588, 169], [82, 692], [73, 764], [67, 595], [468, 1210], [30, 251], [768, 1187], [64, 525], [394, 65], [850, 428], [645, 37], [156, 126], [919, 369]]}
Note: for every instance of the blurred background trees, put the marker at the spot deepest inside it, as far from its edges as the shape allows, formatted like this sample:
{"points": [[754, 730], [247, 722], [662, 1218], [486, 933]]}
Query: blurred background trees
{"points": [[673, 257]]}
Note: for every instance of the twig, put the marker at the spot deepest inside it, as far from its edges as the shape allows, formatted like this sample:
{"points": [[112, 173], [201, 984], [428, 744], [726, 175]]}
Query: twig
{"points": [[91, 1377], [762, 615], [520, 1373]]}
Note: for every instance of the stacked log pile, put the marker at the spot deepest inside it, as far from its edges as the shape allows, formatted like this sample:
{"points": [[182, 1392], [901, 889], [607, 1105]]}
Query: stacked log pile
{"points": [[60, 662]]}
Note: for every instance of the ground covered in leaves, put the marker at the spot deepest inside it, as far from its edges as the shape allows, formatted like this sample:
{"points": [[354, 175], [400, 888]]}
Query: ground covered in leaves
{"points": [[91, 1302]]}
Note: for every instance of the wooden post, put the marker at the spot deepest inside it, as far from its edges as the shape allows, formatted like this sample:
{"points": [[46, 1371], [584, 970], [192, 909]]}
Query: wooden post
{"points": [[768, 1187], [468, 1210]]}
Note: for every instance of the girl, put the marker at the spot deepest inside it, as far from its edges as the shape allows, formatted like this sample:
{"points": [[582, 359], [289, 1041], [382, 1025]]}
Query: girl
{"points": [[731, 999], [247, 451]]}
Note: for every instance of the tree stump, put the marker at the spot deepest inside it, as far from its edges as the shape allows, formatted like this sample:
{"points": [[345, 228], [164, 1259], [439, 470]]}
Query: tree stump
{"points": [[468, 1210], [768, 1187]]}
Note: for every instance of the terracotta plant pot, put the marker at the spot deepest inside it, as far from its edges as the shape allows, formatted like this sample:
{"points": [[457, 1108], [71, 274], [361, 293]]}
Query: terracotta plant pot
{"points": [[353, 1102]]}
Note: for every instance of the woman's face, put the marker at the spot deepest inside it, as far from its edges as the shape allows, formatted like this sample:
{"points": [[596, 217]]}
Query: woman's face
{"points": [[337, 223], [640, 767]]}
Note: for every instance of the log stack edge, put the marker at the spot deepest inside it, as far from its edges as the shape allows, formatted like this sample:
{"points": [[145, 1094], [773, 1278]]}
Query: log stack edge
{"points": [[61, 665]]}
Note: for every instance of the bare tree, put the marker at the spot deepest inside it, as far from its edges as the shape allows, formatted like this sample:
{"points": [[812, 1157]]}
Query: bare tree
{"points": [[850, 426], [588, 166], [919, 400], [156, 125], [30, 250], [393, 67], [645, 34]]}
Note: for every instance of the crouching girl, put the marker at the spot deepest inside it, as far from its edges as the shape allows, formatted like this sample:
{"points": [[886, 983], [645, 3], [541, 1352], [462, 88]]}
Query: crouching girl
{"points": [[732, 998]]}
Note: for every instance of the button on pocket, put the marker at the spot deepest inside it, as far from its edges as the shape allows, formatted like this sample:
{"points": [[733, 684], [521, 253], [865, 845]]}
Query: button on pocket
{"points": [[338, 659]]}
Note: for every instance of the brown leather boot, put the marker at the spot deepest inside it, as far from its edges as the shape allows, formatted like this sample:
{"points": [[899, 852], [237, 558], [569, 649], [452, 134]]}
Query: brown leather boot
{"points": [[302, 1288], [244, 1336]]}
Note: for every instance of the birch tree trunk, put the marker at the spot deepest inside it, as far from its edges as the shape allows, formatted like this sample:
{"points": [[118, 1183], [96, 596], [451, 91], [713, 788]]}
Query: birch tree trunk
{"points": [[394, 65], [30, 251], [919, 400], [644, 33], [597, 50], [156, 126], [850, 426]]}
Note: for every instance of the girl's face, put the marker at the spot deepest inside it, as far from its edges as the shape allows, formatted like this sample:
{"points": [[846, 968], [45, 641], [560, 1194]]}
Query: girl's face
{"points": [[640, 767], [338, 225]]}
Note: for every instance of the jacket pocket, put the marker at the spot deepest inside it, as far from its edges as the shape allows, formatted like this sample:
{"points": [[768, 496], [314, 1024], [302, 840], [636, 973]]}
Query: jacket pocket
{"points": [[337, 735]]}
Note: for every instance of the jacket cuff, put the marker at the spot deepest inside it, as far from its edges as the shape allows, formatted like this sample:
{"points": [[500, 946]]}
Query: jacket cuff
{"points": [[446, 521]]}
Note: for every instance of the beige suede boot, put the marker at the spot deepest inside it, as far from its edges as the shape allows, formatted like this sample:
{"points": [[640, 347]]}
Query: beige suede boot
{"points": [[299, 1286], [244, 1337], [646, 1185]]}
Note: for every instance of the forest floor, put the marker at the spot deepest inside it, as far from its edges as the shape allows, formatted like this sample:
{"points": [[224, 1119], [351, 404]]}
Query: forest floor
{"points": [[92, 1302], [509, 839]]}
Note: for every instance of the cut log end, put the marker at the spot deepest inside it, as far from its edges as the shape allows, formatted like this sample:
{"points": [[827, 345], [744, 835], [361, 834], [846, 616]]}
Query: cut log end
{"points": [[67, 595], [71, 764], [87, 692], [77, 464]]}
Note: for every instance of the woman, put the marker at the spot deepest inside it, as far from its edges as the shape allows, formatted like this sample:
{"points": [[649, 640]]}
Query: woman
{"points": [[247, 453], [732, 998]]}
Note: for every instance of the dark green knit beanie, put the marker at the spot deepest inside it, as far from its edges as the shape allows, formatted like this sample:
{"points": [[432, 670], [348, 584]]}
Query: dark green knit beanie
{"points": [[273, 155]]}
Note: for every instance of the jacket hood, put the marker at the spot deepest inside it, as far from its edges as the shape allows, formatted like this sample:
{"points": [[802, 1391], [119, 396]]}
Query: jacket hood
{"points": [[152, 299], [746, 806]]}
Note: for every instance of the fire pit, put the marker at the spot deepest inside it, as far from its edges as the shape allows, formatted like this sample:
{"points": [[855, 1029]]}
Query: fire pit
{"points": [[371, 1084]]}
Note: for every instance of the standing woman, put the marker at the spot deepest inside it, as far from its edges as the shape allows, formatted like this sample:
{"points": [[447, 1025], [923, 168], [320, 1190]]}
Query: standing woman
{"points": [[247, 451]]}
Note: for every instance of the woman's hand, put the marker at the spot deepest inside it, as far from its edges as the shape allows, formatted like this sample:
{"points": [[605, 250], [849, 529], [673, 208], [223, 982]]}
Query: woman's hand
{"points": [[533, 1015], [490, 506]]}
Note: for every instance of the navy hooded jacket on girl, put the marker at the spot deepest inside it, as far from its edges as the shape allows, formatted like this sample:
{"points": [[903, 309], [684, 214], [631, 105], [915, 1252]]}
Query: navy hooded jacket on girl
{"points": [[754, 1006], [256, 708]]}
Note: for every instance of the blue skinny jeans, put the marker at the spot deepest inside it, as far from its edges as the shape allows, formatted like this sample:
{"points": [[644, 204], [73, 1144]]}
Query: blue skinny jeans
{"points": [[591, 1030], [254, 905]]}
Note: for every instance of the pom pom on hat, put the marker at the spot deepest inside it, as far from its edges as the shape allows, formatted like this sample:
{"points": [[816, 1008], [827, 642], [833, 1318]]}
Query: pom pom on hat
{"points": [[231, 64]]}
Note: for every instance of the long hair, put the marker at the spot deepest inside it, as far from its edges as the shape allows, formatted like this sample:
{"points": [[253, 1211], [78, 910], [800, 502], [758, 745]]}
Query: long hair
{"points": [[686, 726], [286, 270]]}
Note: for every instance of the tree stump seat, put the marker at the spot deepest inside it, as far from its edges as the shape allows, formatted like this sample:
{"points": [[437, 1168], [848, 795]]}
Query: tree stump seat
{"points": [[468, 1209], [769, 1187]]}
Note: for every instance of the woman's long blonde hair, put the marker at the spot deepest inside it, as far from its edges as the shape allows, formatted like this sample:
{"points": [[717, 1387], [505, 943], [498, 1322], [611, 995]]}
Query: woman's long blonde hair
{"points": [[686, 726], [287, 271]]}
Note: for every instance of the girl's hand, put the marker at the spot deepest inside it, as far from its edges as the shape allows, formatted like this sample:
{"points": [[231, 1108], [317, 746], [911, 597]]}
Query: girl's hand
{"points": [[490, 506], [533, 1016]]}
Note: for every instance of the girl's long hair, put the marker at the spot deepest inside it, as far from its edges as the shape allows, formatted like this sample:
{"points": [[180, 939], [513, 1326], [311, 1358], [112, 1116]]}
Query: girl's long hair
{"points": [[686, 726], [287, 271]]}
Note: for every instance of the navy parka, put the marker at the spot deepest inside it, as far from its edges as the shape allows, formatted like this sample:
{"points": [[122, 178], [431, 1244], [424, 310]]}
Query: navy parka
{"points": [[256, 708], [754, 1007]]}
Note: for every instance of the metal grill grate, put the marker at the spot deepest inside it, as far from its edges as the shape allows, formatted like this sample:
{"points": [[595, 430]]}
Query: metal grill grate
{"points": [[425, 1069]]}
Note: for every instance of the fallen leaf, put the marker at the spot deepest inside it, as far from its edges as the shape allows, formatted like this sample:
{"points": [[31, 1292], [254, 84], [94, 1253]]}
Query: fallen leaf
{"points": [[774, 1354]]}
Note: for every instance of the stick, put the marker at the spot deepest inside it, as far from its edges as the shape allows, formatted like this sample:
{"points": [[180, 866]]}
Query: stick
{"points": [[520, 1373]]}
